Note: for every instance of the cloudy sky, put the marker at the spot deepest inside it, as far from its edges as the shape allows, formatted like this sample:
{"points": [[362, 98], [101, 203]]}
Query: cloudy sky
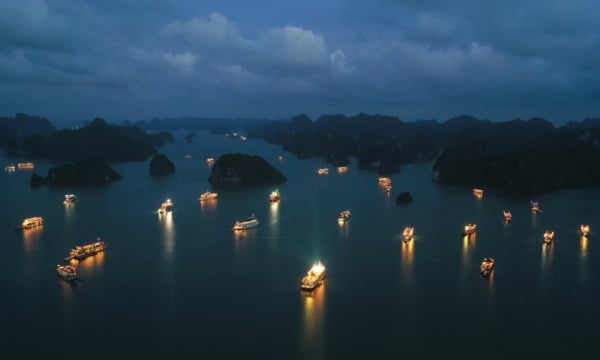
{"points": [[129, 60]]}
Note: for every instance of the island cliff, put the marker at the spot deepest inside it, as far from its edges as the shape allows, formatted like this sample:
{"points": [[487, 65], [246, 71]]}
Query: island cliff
{"points": [[87, 172], [232, 170]]}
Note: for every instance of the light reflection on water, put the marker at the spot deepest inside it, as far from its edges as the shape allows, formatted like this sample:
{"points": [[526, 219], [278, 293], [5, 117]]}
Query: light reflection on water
{"points": [[31, 238], [314, 310], [408, 257], [168, 232], [208, 205]]}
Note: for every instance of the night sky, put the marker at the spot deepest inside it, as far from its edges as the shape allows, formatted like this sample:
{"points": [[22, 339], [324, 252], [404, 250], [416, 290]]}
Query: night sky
{"points": [[415, 59]]}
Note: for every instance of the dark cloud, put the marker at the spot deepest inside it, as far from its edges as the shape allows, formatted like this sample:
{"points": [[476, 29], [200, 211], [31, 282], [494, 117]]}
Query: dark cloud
{"points": [[414, 59]]}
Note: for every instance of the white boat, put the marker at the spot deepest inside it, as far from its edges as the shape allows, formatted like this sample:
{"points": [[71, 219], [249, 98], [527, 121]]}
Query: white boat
{"points": [[344, 216], [247, 223], [69, 199], [208, 196], [585, 229], [166, 207], [10, 168], [314, 278], [275, 196], [408, 233]]}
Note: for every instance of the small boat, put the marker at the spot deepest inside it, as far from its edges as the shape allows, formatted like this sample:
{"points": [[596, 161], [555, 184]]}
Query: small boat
{"points": [[344, 216], [507, 215], [548, 237], [243, 138], [314, 278], [165, 207], [584, 229], [10, 168], [323, 171], [408, 233], [25, 166], [188, 157], [32, 222], [69, 199], [535, 206], [210, 161], [385, 181], [208, 196], [67, 272], [80, 252], [487, 266], [247, 223], [280, 158], [342, 169], [470, 229], [388, 188], [478, 192], [274, 196]]}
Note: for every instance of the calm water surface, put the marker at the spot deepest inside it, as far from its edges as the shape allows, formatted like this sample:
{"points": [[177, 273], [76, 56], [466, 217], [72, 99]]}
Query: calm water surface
{"points": [[185, 283]]}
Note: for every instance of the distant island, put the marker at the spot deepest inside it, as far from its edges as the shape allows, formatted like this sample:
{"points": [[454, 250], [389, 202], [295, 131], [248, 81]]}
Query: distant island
{"points": [[90, 171], [236, 170], [110, 143]]}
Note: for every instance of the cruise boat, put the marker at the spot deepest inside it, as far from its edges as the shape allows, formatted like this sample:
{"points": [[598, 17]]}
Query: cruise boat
{"points": [[344, 216], [69, 199], [478, 192], [323, 171], [247, 223], [535, 206], [275, 196], [408, 233], [208, 196], [487, 266], [25, 166], [32, 222], [165, 207], [342, 169], [507, 215], [584, 229], [548, 236], [80, 252], [210, 161], [314, 278], [10, 168], [470, 229], [385, 181], [67, 272]]}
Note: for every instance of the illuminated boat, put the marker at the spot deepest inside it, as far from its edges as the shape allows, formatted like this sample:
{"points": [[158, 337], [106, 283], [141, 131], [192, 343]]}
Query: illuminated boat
{"points": [[470, 229], [32, 222], [408, 233], [25, 166], [80, 252], [10, 168], [535, 206], [487, 266], [247, 223], [344, 216], [342, 169], [314, 278], [275, 196], [208, 196], [210, 161], [188, 157], [243, 138], [323, 171], [388, 188], [385, 181], [279, 157], [478, 192], [507, 215], [166, 207], [67, 272], [69, 199], [548, 236], [584, 229]]}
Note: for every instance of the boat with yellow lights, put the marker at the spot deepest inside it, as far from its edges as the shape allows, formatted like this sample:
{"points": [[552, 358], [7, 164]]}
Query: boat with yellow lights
{"points": [[31, 223], [408, 233], [470, 229], [208, 196], [385, 181], [344, 216], [548, 236], [67, 272], [584, 229], [342, 169], [507, 215], [323, 171], [165, 207], [275, 196], [247, 223], [487, 266], [478, 192], [80, 252], [314, 278], [25, 166]]}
